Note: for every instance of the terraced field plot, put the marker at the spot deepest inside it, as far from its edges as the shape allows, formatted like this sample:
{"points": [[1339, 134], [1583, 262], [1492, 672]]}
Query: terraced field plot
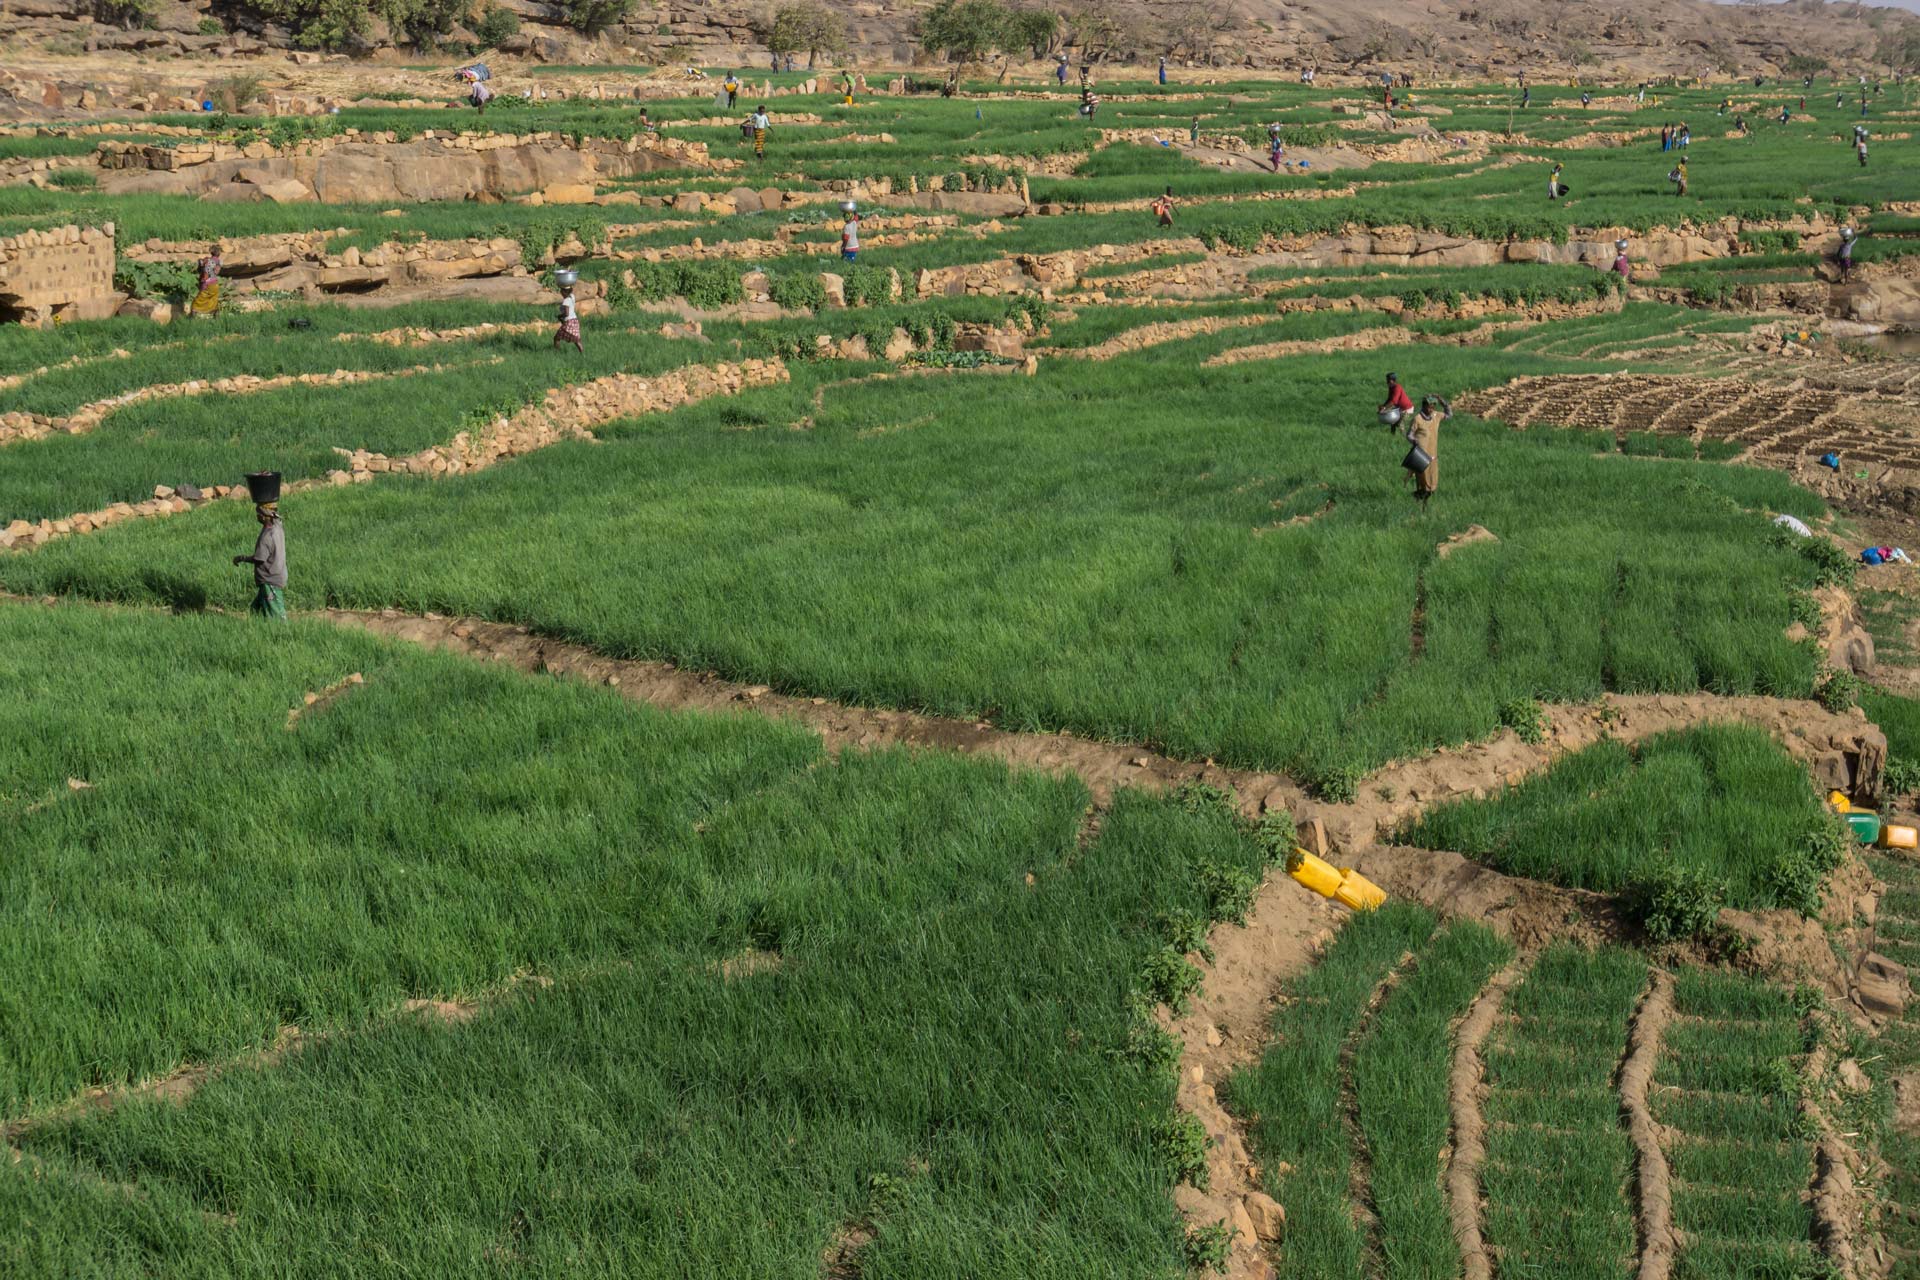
{"points": [[843, 832]]}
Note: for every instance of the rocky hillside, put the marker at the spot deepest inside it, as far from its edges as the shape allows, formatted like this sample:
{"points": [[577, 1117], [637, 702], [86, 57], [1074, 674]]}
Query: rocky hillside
{"points": [[1435, 38]]}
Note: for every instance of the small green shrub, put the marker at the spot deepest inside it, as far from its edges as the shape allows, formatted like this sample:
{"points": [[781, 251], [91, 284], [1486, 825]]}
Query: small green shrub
{"points": [[211, 27], [1526, 717], [1186, 931], [1229, 891], [1195, 796], [1147, 1044], [496, 26], [1277, 835], [594, 16], [1169, 979], [1181, 1141], [1832, 566], [234, 94], [1840, 690], [799, 290], [866, 286], [1683, 902], [165, 280], [1335, 783], [1798, 877], [1209, 1248], [1902, 776]]}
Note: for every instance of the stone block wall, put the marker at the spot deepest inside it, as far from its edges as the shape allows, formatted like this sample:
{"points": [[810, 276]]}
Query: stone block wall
{"points": [[63, 273]]}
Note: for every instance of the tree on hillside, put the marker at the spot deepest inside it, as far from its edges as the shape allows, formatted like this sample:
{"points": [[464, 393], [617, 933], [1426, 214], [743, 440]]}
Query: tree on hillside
{"points": [[1192, 26], [1900, 48], [801, 26], [423, 23], [966, 31], [1036, 30], [1101, 32], [591, 17]]}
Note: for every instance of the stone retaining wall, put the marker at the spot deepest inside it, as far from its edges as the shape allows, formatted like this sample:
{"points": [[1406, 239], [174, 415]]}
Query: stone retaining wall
{"points": [[376, 168], [65, 273]]}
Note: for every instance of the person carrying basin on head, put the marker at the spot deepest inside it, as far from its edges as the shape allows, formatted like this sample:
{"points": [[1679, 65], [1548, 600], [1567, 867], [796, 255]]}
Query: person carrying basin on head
{"points": [[1843, 256], [269, 558], [850, 234], [1423, 457], [1622, 267], [569, 315]]}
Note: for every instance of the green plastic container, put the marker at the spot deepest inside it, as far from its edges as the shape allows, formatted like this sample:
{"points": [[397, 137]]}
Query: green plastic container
{"points": [[1866, 826]]}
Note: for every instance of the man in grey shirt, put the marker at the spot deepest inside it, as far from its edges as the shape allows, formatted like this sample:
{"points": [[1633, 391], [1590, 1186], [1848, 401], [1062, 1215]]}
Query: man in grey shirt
{"points": [[269, 561]]}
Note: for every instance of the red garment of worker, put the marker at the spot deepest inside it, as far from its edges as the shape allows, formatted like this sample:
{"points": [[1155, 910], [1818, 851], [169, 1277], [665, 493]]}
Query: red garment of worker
{"points": [[1400, 399]]}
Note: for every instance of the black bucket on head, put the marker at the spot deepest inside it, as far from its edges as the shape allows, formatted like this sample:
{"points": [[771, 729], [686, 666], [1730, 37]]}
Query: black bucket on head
{"points": [[263, 486]]}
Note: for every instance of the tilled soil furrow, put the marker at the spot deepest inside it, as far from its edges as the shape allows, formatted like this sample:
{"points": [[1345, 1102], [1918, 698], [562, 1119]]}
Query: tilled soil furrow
{"points": [[1653, 1181], [1467, 1091], [1366, 1211]]}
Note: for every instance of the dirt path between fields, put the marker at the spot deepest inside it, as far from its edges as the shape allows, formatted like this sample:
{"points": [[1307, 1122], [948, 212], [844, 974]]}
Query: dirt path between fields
{"points": [[1841, 748], [33, 426], [1466, 1092], [1652, 1179], [568, 412]]}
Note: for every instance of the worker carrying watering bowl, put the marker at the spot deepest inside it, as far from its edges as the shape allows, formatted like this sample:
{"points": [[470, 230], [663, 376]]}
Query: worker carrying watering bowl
{"points": [[850, 231], [269, 558], [1423, 458], [569, 313], [1843, 256], [1397, 404]]}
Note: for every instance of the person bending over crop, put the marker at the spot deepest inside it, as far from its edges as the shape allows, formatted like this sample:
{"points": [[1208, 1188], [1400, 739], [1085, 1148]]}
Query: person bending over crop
{"points": [[569, 317], [269, 558], [207, 301], [1397, 397], [1425, 436], [1554, 189]]}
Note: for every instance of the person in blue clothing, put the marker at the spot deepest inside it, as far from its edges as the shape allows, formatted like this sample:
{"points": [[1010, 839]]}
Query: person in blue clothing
{"points": [[1060, 69], [1163, 71]]}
